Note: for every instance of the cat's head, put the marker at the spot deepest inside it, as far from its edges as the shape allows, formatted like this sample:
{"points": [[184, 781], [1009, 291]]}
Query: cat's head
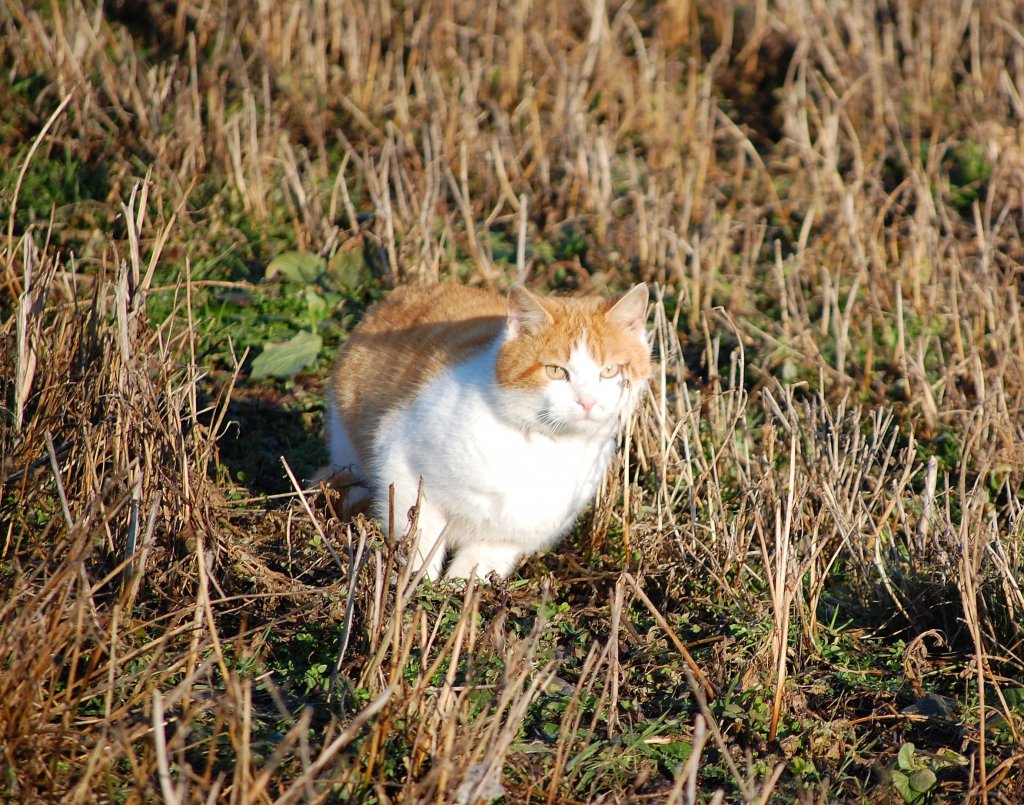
{"points": [[573, 365]]}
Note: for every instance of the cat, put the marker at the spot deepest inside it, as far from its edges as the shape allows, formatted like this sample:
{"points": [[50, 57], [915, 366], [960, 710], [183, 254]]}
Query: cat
{"points": [[508, 409]]}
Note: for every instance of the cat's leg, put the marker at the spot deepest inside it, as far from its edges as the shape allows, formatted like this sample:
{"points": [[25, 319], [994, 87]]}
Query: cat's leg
{"points": [[343, 452], [344, 473], [487, 557], [430, 533], [430, 522], [398, 466]]}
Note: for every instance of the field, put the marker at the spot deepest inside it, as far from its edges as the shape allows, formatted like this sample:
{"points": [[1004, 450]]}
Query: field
{"points": [[802, 580]]}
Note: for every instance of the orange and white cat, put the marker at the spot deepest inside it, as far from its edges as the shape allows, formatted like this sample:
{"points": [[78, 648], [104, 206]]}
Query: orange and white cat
{"points": [[506, 407]]}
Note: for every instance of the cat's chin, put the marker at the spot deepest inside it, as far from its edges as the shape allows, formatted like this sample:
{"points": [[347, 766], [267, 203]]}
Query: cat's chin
{"points": [[586, 426]]}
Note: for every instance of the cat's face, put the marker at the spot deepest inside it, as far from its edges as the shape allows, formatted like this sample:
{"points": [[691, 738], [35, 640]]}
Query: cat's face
{"points": [[574, 365]]}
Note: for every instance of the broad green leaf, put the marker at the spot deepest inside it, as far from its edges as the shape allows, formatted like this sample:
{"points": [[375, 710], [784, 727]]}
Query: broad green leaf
{"points": [[923, 780], [901, 783], [296, 266], [912, 778], [906, 786], [348, 269], [285, 358], [948, 757], [316, 303], [906, 759]]}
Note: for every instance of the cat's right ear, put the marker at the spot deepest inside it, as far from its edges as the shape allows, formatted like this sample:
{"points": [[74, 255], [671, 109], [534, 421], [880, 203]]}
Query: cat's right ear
{"points": [[630, 310], [526, 314]]}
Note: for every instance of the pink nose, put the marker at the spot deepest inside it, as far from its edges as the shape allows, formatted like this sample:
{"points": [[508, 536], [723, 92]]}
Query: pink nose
{"points": [[587, 403]]}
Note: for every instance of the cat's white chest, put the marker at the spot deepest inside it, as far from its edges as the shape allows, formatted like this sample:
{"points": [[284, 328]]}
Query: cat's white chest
{"points": [[532, 482], [492, 479]]}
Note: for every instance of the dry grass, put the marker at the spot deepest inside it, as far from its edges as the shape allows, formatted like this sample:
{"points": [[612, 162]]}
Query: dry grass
{"points": [[815, 535]]}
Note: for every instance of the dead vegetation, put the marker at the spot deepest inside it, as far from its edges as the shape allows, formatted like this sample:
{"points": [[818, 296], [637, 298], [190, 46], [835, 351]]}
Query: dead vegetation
{"points": [[810, 556]]}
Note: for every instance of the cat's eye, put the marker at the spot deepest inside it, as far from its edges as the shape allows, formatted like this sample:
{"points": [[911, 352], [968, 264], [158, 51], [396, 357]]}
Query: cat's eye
{"points": [[611, 370], [556, 372]]}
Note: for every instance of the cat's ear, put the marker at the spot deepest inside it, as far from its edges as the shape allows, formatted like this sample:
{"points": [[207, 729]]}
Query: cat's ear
{"points": [[526, 314], [630, 312]]}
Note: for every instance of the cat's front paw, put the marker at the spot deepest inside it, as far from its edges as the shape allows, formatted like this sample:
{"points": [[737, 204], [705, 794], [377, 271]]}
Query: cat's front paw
{"points": [[484, 559]]}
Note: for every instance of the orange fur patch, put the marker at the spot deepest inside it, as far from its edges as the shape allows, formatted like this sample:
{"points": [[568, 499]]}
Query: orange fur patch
{"points": [[416, 333], [573, 321], [405, 341]]}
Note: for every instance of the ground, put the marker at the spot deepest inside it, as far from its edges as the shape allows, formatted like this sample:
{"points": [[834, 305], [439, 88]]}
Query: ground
{"points": [[799, 583]]}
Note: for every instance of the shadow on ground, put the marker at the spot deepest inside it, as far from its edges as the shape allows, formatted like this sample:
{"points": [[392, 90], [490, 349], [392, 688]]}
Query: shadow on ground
{"points": [[264, 427]]}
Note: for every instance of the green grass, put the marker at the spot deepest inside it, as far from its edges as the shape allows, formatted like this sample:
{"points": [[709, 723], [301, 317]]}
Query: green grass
{"points": [[834, 231]]}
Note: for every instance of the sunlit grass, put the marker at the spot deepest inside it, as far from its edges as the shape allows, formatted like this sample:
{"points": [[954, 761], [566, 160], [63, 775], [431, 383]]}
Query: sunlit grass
{"points": [[801, 582]]}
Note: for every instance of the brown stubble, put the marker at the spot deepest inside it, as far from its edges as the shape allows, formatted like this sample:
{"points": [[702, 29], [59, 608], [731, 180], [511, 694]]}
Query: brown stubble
{"points": [[831, 302]]}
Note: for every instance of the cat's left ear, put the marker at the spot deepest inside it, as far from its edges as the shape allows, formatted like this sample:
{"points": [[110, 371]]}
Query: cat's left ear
{"points": [[526, 314], [630, 312]]}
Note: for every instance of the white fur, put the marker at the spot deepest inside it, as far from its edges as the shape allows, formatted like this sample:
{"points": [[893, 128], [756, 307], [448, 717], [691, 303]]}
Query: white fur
{"points": [[343, 453], [344, 459], [505, 473]]}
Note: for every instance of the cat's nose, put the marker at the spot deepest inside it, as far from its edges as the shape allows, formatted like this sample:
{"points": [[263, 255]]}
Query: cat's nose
{"points": [[587, 403]]}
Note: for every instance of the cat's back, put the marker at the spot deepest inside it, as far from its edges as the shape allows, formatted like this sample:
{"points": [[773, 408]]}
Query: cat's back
{"points": [[449, 310], [405, 341]]}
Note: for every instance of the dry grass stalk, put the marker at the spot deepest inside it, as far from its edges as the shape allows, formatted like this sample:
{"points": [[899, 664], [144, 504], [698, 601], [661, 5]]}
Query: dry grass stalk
{"points": [[827, 199]]}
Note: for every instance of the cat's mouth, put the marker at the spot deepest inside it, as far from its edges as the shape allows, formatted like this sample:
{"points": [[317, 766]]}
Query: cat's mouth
{"points": [[579, 421]]}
